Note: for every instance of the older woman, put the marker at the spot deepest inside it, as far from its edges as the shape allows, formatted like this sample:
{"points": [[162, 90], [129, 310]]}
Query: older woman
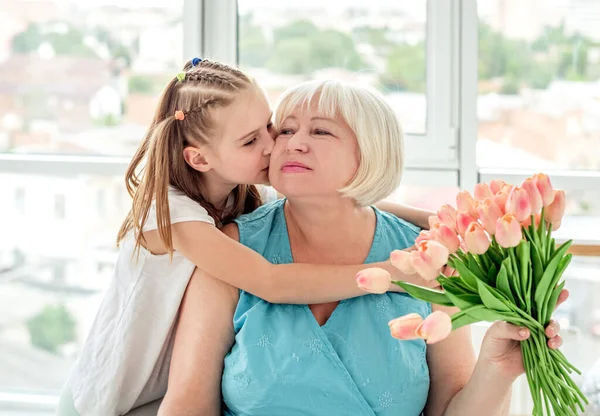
{"points": [[338, 151]]}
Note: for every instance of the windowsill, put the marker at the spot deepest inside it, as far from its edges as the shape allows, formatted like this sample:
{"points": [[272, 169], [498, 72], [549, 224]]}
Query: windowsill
{"points": [[584, 231]]}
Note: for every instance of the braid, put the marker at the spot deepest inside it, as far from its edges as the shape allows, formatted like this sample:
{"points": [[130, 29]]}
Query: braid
{"points": [[218, 67], [221, 81], [209, 102]]}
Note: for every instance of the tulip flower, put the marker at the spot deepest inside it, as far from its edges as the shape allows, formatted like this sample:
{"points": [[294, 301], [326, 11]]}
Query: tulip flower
{"points": [[435, 328], [518, 204], [400, 259], [429, 258], [556, 210], [535, 198], [476, 239], [374, 280], [433, 220], [424, 236], [488, 212], [447, 215], [508, 231], [463, 219], [496, 185], [500, 199], [446, 236], [542, 182], [482, 191], [405, 327], [465, 202]]}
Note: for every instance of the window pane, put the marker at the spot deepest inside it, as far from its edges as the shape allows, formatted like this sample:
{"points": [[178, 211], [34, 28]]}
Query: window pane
{"points": [[84, 77], [380, 43], [539, 95], [57, 253]]}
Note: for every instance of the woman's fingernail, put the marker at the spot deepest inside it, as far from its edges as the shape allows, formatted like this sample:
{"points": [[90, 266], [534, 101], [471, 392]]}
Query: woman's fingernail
{"points": [[523, 333]]}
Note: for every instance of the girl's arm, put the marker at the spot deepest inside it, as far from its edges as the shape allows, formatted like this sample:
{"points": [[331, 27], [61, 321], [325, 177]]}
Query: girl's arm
{"points": [[204, 337], [227, 260], [417, 216]]}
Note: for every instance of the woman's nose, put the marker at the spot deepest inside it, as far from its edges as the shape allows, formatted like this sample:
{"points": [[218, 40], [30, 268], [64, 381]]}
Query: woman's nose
{"points": [[297, 144]]}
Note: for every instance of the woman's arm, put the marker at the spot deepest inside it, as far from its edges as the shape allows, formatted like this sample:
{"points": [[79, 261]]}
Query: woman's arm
{"points": [[417, 216], [451, 363], [204, 336], [459, 387], [229, 261]]}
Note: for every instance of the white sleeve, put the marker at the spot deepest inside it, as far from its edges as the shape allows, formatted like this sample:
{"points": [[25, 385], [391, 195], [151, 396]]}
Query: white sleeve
{"points": [[182, 209], [267, 193]]}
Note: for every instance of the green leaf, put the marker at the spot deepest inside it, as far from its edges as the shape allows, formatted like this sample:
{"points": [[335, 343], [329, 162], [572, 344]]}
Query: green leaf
{"points": [[461, 298], [464, 300], [475, 267], [467, 276], [492, 275], [481, 313], [536, 263], [489, 298], [459, 285], [562, 266], [484, 314], [552, 301], [495, 256], [516, 281], [545, 284], [460, 319], [502, 281], [523, 252], [428, 295]]}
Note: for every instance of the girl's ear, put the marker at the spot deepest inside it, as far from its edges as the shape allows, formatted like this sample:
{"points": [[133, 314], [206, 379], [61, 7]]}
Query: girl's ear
{"points": [[195, 158]]}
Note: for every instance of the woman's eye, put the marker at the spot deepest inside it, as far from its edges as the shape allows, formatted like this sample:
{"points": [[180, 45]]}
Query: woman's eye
{"points": [[285, 132], [251, 142], [322, 133]]}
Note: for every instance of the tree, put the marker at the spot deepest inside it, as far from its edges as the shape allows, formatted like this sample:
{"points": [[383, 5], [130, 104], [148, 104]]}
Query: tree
{"points": [[69, 42], [51, 328], [296, 29], [301, 48], [375, 36], [140, 84], [405, 68]]}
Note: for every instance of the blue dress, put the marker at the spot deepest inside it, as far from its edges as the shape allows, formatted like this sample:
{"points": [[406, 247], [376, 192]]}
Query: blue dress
{"points": [[284, 363]]}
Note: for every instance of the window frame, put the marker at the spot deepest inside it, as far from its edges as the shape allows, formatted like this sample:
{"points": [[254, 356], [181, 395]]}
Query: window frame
{"points": [[210, 30]]}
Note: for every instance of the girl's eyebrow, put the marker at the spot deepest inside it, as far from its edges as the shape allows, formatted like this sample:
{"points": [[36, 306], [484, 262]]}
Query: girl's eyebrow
{"points": [[253, 132]]}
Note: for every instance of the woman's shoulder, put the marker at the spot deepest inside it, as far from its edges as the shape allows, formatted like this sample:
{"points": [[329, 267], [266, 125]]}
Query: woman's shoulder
{"points": [[261, 213], [388, 221]]}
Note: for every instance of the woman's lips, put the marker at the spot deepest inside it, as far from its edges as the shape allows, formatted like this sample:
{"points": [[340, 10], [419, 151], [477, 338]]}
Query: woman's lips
{"points": [[294, 167]]}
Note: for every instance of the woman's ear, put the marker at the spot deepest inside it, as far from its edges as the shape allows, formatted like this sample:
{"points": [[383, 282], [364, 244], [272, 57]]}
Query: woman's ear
{"points": [[195, 158]]}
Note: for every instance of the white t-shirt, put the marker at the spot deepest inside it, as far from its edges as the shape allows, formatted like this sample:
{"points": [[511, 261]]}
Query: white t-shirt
{"points": [[125, 360]]}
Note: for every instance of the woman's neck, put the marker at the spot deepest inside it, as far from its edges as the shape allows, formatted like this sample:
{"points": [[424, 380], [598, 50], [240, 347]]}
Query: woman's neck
{"points": [[328, 224]]}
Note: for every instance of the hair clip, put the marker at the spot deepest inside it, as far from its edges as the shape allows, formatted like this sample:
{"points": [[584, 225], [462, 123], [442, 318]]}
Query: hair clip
{"points": [[196, 61], [181, 76], [179, 115]]}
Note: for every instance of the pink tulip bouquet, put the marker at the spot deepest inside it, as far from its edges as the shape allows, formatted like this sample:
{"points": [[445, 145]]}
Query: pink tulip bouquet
{"points": [[495, 259]]}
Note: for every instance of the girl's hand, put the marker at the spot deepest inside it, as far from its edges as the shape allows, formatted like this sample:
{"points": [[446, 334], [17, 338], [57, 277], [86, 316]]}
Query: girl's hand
{"points": [[501, 349]]}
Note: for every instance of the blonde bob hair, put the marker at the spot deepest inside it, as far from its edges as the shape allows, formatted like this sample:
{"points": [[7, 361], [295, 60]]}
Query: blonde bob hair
{"points": [[378, 131]]}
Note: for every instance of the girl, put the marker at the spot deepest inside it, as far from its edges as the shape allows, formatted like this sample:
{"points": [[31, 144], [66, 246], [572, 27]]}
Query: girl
{"points": [[210, 139]]}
